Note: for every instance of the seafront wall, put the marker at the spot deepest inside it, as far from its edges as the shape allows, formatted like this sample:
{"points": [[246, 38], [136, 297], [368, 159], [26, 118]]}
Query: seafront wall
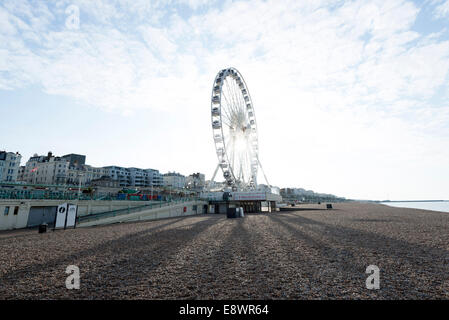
{"points": [[14, 213], [175, 210]]}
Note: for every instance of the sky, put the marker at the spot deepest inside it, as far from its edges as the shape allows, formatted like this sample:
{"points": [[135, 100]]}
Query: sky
{"points": [[351, 97]]}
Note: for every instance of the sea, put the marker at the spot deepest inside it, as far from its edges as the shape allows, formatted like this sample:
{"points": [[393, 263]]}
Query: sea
{"points": [[426, 205]]}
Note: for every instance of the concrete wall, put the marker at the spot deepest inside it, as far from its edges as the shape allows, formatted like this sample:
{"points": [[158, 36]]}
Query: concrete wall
{"points": [[12, 221], [85, 207], [176, 210]]}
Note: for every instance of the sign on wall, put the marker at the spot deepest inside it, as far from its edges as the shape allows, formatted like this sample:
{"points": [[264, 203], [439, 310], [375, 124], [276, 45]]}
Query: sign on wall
{"points": [[71, 215], [249, 196], [61, 215], [66, 216]]}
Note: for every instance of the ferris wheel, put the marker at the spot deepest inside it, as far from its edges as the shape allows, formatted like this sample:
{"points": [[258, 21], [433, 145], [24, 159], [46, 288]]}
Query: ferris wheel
{"points": [[234, 130]]}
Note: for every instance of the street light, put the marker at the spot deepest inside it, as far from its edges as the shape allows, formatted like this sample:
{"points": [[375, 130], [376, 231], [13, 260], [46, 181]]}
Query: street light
{"points": [[79, 184]]}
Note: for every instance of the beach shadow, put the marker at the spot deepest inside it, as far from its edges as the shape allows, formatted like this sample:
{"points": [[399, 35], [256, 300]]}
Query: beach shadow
{"points": [[378, 245], [301, 209], [375, 220], [131, 248], [240, 276]]}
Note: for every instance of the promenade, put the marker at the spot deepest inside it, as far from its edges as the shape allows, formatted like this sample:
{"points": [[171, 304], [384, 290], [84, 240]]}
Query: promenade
{"points": [[309, 253]]}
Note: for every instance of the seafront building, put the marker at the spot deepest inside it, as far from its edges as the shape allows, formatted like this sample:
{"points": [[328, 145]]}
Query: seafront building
{"points": [[302, 195], [174, 180], [71, 169], [134, 177], [9, 166], [67, 170]]}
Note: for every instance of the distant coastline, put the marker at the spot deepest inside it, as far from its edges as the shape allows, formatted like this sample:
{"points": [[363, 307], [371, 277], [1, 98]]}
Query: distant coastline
{"points": [[433, 205]]}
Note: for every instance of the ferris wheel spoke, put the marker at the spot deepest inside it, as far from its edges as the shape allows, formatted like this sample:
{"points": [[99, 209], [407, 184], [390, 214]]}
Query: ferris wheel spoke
{"points": [[232, 105], [226, 122], [225, 114], [236, 98], [227, 110], [239, 96], [248, 159], [231, 160], [225, 118], [226, 99], [245, 168], [226, 92], [244, 165], [242, 174]]}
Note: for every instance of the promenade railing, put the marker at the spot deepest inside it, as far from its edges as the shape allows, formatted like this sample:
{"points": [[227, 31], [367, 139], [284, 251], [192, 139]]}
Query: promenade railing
{"points": [[59, 195], [49, 195]]}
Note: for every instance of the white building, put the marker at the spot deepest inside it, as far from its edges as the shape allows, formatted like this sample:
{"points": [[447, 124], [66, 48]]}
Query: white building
{"points": [[46, 169], [119, 174], [174, 180], [135, 177], [69, 169], [154, 178], [72, 170], [9, 166]]}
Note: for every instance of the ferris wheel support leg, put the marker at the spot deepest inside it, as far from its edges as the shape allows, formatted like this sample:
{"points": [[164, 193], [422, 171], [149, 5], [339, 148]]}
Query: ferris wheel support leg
{"points": [[266, 180], [213, 177]]}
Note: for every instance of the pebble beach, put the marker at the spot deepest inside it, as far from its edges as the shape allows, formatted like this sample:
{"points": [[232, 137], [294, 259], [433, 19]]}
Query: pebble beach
{"points": [[305, 252]]}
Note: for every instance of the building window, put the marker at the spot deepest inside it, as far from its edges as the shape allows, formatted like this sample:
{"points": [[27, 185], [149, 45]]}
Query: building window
{"points": [[16, 210], [6, 211]]}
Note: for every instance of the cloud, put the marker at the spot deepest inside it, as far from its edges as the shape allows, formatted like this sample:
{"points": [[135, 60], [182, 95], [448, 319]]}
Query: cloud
{"points": [[442, 10], [365, 47], [196, 4], [329, 73]]}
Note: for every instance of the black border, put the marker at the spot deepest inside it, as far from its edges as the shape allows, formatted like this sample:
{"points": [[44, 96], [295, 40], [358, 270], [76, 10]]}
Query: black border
{"points": [[278, 309]]}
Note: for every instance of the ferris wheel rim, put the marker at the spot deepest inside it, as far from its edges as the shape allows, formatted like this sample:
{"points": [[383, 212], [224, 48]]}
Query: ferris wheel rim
{"points": [[223, 149]]}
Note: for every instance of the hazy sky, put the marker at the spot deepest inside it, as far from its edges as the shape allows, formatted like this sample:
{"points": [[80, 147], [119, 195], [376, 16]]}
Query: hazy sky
{"points": [[351, 97]]}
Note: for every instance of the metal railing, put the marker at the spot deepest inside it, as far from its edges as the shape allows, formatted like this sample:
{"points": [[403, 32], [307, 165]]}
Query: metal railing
{"points": [[119, 212], [62, 195], [52, 195]]}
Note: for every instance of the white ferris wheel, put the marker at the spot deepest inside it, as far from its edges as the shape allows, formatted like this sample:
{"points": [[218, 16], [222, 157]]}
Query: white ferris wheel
{"points": [[234, 131]]}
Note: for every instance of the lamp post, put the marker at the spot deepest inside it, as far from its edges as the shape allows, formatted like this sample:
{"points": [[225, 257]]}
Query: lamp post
{"points": [[79, 184]]}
